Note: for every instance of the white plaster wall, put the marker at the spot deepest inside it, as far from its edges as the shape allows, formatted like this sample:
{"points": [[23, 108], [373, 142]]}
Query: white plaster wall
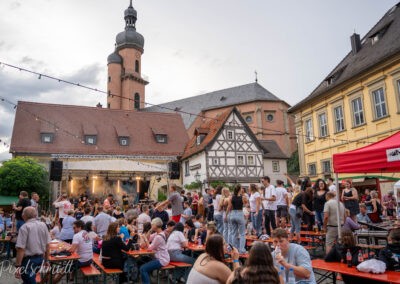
{"points": [[194, 160], [275, 175]]}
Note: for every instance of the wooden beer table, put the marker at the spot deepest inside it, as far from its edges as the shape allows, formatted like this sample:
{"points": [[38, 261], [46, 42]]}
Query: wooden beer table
{"points": [[332, 268]]}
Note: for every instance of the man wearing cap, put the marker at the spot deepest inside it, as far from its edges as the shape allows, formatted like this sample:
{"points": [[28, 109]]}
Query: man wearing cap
{"points": [[32, 246]]}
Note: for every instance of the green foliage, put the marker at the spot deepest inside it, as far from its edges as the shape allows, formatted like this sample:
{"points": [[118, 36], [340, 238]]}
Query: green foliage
{"points": [[216, 183], [293, 165], [24, 174], [194, 185], [161, 196]]}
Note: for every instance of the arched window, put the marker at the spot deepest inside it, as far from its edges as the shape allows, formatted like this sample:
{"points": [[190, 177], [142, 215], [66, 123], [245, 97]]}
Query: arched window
{"points": [[137, 101], [137, 66]]}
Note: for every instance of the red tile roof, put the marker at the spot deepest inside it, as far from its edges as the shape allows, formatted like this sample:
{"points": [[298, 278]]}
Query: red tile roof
{"points": [[210, 126], [106, 123]]}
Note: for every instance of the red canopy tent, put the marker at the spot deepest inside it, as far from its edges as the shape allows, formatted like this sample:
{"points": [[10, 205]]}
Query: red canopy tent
{"points": [[379, 157]]}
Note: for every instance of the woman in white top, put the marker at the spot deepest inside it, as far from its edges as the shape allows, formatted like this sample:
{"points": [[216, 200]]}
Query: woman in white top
{"points": [[175, 243], [210, 267], [255, 208]]}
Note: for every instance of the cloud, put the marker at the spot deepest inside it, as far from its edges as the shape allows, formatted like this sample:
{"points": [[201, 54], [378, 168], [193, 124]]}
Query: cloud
{"points": [[20, 86], [15, 5]]}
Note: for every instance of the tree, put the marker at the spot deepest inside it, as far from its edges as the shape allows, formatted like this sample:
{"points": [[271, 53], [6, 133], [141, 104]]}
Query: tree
{"points": [[293, 165], [193, 185], [24, 174]]}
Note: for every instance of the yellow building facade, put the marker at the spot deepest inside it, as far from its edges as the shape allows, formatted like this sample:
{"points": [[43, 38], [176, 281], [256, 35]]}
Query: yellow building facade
{"points": [[357, 104]]}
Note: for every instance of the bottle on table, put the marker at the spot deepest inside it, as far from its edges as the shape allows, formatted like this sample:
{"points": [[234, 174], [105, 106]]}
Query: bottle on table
{"points": [[348, 258], [291, 279], [360, 256], [199, 241], [282, 272]]}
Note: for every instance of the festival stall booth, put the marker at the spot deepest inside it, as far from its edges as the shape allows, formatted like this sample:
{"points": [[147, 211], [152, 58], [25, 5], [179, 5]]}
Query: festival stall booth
{"points": [[380, 157]]}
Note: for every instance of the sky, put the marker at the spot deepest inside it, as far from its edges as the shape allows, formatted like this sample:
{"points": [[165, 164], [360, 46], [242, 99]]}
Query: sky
{"points": [[191, 47]]}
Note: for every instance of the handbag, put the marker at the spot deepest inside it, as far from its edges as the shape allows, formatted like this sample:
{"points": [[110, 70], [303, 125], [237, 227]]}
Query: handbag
{"points": [[299, 212]]}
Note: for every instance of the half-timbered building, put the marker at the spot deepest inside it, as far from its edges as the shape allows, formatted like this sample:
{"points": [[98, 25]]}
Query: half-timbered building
{"points": [[223, 149]]}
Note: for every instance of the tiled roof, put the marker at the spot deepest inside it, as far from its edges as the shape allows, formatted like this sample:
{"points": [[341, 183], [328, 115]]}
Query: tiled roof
{"points": [[106, 123], [367, 57], [272, 150], [222, 98], [212, 126]]}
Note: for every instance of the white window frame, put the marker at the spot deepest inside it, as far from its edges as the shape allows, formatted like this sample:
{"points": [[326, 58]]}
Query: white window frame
{"points": [[276, 167], [248, 160], [323, 125], [242, 158], [47, 138], [308, 125], [161, 138], [339, 120], [90, 139], [381, 105], [358, 111], [124, 141]]}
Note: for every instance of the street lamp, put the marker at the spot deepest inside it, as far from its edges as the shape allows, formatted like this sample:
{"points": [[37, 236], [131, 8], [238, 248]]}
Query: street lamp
{"points": [[197, 176]]}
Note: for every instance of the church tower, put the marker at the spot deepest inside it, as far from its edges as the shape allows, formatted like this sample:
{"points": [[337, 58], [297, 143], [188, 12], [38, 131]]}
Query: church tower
{"points": [[126, 87]]}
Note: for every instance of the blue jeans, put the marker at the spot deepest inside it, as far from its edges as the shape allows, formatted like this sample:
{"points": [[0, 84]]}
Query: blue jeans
{"points": [[19, 224], [30, 266], [256, 221], [219, 222], [177, 255], [226, 227], [237, 227], [319, 217], [294, 221], [148, 267]]}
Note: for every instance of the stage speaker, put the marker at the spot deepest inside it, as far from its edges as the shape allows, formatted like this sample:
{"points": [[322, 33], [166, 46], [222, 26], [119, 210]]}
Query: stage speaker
{"points": [[174, 170], [56, 168]]}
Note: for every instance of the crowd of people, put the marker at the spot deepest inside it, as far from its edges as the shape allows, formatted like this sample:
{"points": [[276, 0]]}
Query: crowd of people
{"points": [[218, 217]]}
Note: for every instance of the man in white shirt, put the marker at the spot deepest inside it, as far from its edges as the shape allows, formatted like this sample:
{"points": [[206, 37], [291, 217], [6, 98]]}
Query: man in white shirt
{"points": [[87, 217], [282, 201], [143, 218], [269, 204], [101, 222], [63, 205], [331, 185], [82, 244]]}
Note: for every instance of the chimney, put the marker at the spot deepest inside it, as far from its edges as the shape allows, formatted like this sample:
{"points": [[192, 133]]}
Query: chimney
{"points": [[99, 105], [355, 43]]}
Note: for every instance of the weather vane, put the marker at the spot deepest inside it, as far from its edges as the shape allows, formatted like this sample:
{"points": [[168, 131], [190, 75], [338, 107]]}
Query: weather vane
{"points": [[255, 72]]}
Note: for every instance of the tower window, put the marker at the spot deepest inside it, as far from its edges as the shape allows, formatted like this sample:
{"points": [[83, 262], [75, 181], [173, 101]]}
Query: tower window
{"points": [[137, 101], [137, 67], [109, 79]]}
